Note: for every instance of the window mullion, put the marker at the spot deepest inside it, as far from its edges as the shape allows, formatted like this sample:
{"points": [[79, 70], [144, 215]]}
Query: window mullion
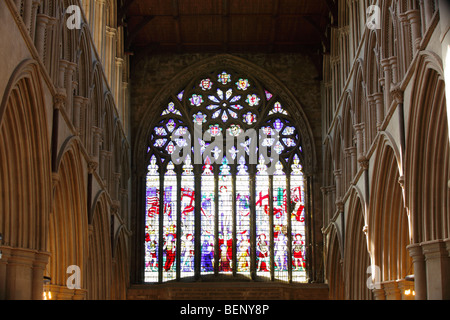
{"points": [[178, 231], [271, 250], [309, 231], [226, 96], [161, 227], [252, 200], [216, 220], [234, 242], [198, 225], [289, 226]]}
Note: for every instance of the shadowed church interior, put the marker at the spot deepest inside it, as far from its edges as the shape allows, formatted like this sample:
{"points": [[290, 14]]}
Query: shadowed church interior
{"points": [[224, 149]]}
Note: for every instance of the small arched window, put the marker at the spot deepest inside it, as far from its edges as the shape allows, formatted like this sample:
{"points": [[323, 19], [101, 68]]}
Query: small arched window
{"points": [[225, 192]]}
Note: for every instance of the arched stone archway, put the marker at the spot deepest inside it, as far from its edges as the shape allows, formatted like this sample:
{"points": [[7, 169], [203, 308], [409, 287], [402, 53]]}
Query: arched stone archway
{"points": [[25, 185]]}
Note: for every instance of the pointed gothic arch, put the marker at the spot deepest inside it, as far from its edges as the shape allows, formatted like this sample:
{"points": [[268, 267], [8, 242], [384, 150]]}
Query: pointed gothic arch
{"points": [[357, 259], [68, 223], [241, 65], [388, 220], [100, 255], [25, 183], [335, 274], [180, 97], [427, 153]]}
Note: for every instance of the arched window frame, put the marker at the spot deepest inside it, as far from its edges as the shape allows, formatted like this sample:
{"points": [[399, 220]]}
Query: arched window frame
{"points": [[296, 114]]}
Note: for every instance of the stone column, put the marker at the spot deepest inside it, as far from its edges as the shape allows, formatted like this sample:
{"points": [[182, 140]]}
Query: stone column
{"points": [[122, 106], [124, 204], [34, 10], [371, 129], [6, 253], [49, 41], [66, 69], [398, 96], [325, 205], [420, 280], [41, 260], [71, 68], [78, 101], [394, 69], [83, 121], [348, 168], [25, 274], [425, 6], [105, 156], [118, 80], [414, 20], [62, 73], [97, 139], [18, 4], [27, 14], [359, 129], [387, 81], [353, 162], [98, 26], [406, 48], [111, 52], [116, 185], [437, 269], [338, 178], [41, 27], [379, 109]]}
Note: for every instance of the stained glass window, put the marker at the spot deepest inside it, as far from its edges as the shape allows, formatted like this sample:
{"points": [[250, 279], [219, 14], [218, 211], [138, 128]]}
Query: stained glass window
{"points": [[207, 218], [187, 201], [170, 223], [152, 222], [225, 192], [263, 225], [298, 222], [243, 218], [280, 223]]}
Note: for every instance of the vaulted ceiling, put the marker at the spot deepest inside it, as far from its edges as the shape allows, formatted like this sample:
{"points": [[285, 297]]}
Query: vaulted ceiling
{"points": [[180, 26]]}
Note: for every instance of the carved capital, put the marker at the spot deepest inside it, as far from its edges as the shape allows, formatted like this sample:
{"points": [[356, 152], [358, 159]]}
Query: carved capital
{"points": [[59, 99], [416, 252], [363, 162], [97, 131], [115, 207], [92, 166], [340, 205], [116, 176], [55, 179], [337, 173], [359, 127], [397, 94]]}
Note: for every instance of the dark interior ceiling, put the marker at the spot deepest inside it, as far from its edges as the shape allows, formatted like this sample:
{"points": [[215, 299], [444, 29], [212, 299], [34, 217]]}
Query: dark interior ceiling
{"points": [[188, 26]]}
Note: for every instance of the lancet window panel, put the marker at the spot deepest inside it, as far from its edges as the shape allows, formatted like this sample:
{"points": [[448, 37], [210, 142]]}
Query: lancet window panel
{"points": [[225, 195]]}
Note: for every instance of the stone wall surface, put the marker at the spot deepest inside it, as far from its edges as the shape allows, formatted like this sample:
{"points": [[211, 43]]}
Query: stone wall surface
{"points": [[228, 291]]}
